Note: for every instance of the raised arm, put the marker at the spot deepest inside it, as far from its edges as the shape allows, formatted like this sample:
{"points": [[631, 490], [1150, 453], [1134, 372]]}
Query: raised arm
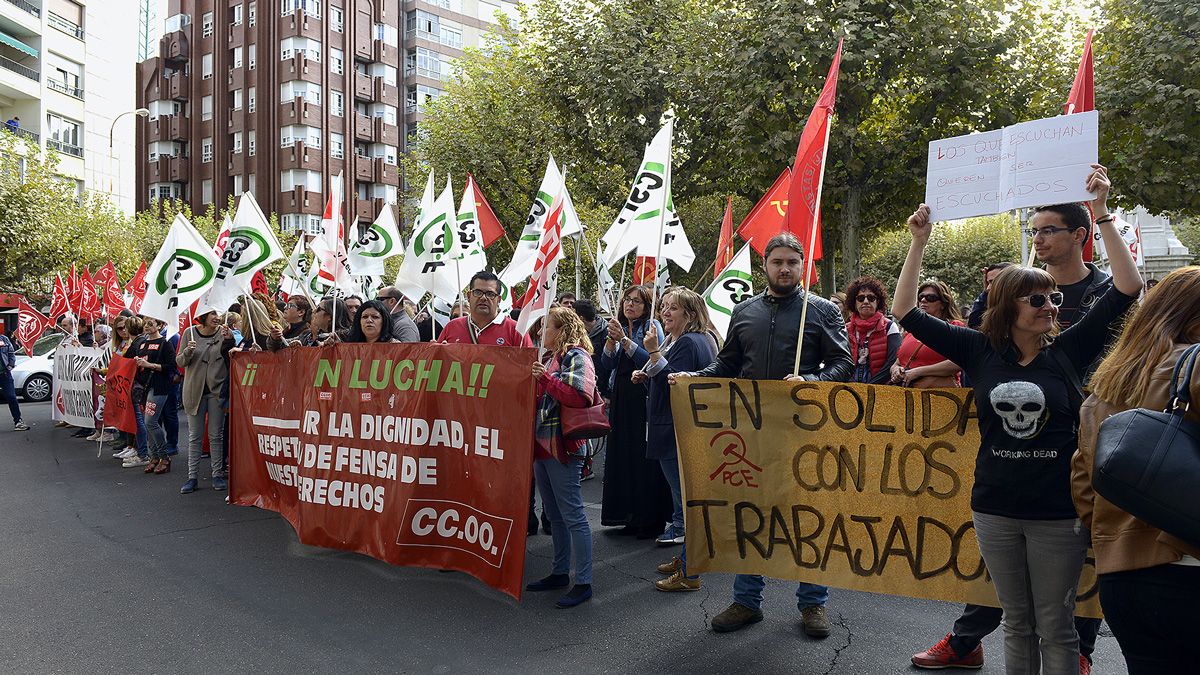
{"points": [[1124, 270], [906, 286]]}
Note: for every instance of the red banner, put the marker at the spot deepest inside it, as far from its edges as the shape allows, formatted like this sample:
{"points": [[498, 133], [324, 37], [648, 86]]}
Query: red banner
{"points": [[118, 394], [395, 451]]}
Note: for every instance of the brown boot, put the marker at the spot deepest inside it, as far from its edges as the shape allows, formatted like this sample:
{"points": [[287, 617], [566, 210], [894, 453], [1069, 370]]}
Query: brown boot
{"points": [[735, 617], [151, 466], [164, 466]]}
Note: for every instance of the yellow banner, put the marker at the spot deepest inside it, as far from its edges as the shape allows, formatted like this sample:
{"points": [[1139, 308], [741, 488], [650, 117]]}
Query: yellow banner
{"points": [[854, 486]]}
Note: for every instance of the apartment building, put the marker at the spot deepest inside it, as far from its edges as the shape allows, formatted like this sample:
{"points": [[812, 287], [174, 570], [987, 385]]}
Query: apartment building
{"points": [[277, 96], [67, 85]]}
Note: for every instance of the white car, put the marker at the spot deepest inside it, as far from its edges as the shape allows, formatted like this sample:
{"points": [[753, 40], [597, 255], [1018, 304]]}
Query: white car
{"points": [[32, 377]]}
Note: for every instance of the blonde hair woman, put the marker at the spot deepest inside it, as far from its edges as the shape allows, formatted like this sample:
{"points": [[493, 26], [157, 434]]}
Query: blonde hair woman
{"points": [[566, 378], [1149, 580]]}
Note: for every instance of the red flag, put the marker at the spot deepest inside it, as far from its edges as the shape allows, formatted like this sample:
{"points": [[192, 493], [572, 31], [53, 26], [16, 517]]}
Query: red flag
{"points": [[59, 302], [802, 216], [489, 224], [30, 325], [100, 278], [765, 220], [114, 301], [89, 300], [188, 317], [74, 290], [725, 243], [1083, 99], [645, 270], [258, 284], [136, 288]]}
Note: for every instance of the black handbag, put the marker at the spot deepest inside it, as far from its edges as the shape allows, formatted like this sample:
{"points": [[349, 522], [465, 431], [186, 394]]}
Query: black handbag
{"points": [[1148, 462]]}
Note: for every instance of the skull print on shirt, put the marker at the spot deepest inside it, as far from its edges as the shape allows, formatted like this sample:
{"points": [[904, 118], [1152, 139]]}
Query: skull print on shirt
{"points": [[1021, 406]]}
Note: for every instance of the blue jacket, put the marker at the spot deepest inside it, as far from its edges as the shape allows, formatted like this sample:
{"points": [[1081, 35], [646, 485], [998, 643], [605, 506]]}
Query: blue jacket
{"points": [[8, 355], [692, 352]]}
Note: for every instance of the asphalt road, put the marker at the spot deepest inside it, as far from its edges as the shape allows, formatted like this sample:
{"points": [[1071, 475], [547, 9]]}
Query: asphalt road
{"points": [[105, 569]]}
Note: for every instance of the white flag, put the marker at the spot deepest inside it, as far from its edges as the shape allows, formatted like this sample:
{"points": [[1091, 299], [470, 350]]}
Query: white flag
{"points": [[648, 210], [525, 255], [469, 256], [183, 270], [427, 262], [1131, 233], [662, 277], [543, 285], [732, 286], [297, 262], [605, 282], [380, 241], [250, 247]]}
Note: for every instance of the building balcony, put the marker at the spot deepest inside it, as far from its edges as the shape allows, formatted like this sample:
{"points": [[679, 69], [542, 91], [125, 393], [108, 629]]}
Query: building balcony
{"points": [[382, 52], [65, 25], [384, 92], [28, 70], [388, 174], [300, 24], [367, 209], [363, 128], [27, 6], [301, 156], [299, 67], [382, 132], [363, 86], [64, 88], [364, 170], [64, 147], [178, 86], [174, 47], [299, 111], [298, 200], [178, 169], [21, 133]]}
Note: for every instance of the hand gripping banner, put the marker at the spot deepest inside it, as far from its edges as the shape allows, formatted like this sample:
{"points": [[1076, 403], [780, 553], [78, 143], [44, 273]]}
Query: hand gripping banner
{"points": [[416, 454]]}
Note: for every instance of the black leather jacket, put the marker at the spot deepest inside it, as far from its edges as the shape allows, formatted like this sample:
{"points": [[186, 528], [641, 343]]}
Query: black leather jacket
{"points": [[761, 344]]}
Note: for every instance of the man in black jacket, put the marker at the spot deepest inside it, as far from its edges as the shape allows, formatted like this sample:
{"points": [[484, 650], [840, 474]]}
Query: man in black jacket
{"points": [[761, 345]]}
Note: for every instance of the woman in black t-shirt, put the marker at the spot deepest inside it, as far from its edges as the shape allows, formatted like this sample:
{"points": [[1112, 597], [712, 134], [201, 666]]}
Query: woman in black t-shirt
{"points": [[1025, 378], [155, 357]]}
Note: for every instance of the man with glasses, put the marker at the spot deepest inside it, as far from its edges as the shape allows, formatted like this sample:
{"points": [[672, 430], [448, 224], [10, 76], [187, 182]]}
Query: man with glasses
{"points": [[484, 325], [403, 327]]}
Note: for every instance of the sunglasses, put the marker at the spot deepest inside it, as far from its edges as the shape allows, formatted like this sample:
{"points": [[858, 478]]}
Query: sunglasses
{"points": [[930, 297], [1038, 300], [866, 298]]}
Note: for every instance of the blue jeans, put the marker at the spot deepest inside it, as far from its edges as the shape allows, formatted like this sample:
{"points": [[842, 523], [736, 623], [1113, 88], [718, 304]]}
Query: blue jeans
{"points": [[139, 416], [670, 469], [748, 590], [563, 503], [155, 424], [171, 420], [10, 393]]}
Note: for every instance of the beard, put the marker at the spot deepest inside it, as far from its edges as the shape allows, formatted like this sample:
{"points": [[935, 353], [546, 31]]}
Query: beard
{"points": [[778, 288]]}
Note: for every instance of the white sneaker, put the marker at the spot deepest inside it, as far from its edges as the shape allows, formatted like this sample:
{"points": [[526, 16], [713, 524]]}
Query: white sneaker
{"points": [[134, 461], [128, 452], [20, 426]]}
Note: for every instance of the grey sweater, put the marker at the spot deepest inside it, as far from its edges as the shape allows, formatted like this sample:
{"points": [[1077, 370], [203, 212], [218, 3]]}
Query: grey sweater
{"points": [[203, 367]]}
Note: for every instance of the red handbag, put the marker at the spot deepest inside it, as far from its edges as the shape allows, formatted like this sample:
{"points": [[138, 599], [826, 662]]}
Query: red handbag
{"points": [[585, 422]]}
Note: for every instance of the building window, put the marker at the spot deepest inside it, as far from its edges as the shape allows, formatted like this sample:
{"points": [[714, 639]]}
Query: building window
{"points": [[297, 133], [290, 180], [300, 45], [206, 108], [236, 57], [237, 99], [252, 12], [159, 108], [386, 34], [165, 191], [66, 135], [250, 183], [206, 150], [300, 89], [385, 152], [251, 55], [237, 142], [250, 99], [336, 19], [382, 70], [250, 139], [428, 63], [337, 145], [337, 61], [206, 194], [160, 149], [172, 24], [206, 66], [384, 111], [64, 76], [337, 103], [237, 185], [235, 15], [206, 24], [309, 7], [418, 96]]}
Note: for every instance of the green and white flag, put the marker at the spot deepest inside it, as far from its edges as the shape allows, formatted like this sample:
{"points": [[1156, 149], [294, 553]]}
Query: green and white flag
{"points": [[734, 285], [297, 262], [526, 253], [251, 246], [427, 264], [469, 256], [649, 210], [380, 241], [184, 269]]}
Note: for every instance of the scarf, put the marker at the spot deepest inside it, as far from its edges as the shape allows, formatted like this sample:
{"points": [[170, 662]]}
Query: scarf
{"points": [[868, 341]]}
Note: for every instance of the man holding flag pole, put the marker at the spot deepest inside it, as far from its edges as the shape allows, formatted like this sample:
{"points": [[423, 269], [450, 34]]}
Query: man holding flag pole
{"points": [[763, 332]]}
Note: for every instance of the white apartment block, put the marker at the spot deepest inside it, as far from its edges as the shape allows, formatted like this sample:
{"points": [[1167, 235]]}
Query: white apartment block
{"points": [[67, 71]]}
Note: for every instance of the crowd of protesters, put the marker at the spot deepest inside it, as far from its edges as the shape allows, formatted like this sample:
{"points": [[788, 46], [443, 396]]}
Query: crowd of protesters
{"points": [[1032, 332]]}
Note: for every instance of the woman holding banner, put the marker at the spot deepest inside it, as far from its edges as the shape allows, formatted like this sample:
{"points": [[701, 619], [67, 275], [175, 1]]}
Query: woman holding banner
{"points": [[1149, 580], [688, 347], [1026, 381], [635, 492], [917, 365], [568, 378]]}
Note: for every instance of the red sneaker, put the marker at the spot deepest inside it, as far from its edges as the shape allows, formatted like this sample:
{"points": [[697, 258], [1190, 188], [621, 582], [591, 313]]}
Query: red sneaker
{"points": [[1085, 666], [942, 655]]}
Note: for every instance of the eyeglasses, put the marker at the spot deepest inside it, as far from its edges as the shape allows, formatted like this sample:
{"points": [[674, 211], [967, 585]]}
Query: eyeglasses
{"points": [[866, 298], [930, 297], [1045, 231], [1038, 300], [478, 293]]}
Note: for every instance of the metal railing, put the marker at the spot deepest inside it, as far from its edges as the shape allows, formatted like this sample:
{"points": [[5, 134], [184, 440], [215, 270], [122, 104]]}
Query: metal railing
{"points": [[27, 6], [21, 133], [448, 39], [59, 85], [409, 71], [19, 69], [69, 27], [65, 148]]}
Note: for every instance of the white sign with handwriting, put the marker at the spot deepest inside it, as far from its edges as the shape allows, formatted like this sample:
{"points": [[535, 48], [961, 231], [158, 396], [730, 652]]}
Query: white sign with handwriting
{"points": [[1029, 164]]}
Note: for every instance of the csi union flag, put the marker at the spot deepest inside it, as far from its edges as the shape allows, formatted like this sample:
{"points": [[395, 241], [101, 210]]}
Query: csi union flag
{"points": [[183, 270]]}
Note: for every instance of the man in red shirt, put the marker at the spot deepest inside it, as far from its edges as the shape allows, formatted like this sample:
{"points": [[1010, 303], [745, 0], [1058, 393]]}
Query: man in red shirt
{"points": [[484, 325]]}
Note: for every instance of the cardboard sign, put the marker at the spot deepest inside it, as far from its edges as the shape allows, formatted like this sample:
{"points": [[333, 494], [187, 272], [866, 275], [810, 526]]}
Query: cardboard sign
{"points": [[855, 486], [1034, 163], [416, 454], [71, 393]]}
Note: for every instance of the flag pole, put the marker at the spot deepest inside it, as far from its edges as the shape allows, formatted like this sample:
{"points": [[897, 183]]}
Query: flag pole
{"points": [[577, 240], [810, 246], [704, 275], [624, 262], [662, 223]]}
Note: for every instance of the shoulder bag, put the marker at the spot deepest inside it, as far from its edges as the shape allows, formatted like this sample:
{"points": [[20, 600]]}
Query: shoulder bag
{"points": [[589, 421], [1148, 462]]}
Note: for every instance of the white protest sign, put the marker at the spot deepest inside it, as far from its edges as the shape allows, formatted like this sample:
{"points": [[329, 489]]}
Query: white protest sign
{"points": [[1029, 164]]}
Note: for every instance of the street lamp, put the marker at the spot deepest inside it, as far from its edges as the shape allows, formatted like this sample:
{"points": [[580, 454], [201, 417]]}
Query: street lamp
{"points": [[140, 112]]}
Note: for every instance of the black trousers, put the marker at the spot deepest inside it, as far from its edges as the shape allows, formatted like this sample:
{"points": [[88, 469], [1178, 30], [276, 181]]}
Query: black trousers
{"points": [[977, 622], [1153, 614]]}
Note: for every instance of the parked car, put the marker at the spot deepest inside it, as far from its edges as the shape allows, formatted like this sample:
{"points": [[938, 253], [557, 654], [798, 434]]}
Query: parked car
{"points": [[33, 375]]}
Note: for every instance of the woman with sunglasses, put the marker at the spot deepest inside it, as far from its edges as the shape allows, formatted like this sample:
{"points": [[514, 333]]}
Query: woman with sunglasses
{"points": [[916, 364], [1026, 376], [874, 338]]}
